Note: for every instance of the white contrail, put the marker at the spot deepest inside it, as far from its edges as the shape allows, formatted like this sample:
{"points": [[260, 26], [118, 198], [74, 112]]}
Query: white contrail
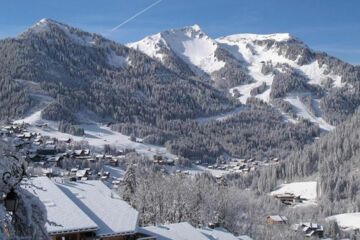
{"points": [[136, 15]]}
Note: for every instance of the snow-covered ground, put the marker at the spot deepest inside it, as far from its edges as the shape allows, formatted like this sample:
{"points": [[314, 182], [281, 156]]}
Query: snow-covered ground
{"points": [[243, 47], [347, 221], [96, 134], [304, 112], [220, 117], [307, 190], [116, 172], [198, 50], [190, 43]]}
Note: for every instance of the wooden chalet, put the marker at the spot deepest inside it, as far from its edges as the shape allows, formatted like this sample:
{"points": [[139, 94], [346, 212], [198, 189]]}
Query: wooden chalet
{"points": [[289, 198], [276, 219]]}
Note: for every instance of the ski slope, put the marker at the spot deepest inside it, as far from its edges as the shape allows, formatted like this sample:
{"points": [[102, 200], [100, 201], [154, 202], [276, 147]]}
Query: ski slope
{"points": [[304, 112]]}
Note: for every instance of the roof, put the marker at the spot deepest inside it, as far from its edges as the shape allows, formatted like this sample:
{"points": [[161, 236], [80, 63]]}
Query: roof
{"points": [[61, 211], [81, 173], [244, 237], [176, 231], [112, 214], [278, 218], [217, 233]]}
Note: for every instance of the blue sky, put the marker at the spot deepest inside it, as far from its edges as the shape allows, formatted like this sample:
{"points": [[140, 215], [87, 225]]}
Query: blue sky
{"points": [[326, 25]]}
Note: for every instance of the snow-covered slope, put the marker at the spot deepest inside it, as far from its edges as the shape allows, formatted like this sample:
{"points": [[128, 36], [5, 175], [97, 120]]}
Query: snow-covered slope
{"points": [[191, 44], [249, 54], [307, 190], [96, 134], [258, 50]]}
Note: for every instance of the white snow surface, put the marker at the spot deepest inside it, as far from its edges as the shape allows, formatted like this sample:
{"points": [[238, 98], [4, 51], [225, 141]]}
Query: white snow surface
{"points": [[112, 214], [306, 190], [302, 111], [189, 43], [62, 213], [347, 221], [197, 49], [176, 231], [280, 37], [96, 134], [43, 25], [218, 233], [116, 60], [243, 47]]}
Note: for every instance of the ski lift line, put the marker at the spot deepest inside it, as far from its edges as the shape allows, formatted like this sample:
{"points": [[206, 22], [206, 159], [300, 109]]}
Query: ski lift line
{"points": [[136, 15]]}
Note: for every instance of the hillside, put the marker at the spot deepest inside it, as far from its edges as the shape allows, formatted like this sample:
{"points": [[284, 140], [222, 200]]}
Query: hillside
{"points": [[83, 70], [277, 68], [274, 91]]}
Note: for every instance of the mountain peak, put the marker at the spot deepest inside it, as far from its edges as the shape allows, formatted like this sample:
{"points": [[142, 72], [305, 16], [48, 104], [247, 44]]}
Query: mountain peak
{"points": [[195, 27]]}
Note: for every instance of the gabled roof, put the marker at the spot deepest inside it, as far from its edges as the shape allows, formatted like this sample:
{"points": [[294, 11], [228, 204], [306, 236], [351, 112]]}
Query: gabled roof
{"points": [[176, 231], [62, 213], [278, 218], [112, 214]]}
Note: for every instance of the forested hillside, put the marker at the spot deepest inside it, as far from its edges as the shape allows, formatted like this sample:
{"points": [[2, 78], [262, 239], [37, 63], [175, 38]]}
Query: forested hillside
{"points": [[83, 70]]}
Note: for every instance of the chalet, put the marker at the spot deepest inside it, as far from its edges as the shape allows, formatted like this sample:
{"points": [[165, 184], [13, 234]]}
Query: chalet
{"points": [[116, 220], [311, 229], [5, 132], [59, 208], [74, 207], [157, 157], [276, 219], [80, 174], [65, 140], [289, 198], [47, 150], [42, 125], [38, 140], [73, 171], [170, 162], [81, 152], [34, 157], [99, 156], [50, 142]]}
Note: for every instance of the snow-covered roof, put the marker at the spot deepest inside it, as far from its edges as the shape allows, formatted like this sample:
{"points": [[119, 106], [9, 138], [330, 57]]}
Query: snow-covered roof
{"points": [[64, 215], [81, 173], [278, 218], [244, 237], [112, 214], [217, 233], [348, 221], [176, 231]]}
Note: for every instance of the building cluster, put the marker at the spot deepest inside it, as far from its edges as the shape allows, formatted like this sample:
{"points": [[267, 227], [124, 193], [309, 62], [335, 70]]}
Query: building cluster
{"points": [[309, 229], [91, 210], [236, 165]]}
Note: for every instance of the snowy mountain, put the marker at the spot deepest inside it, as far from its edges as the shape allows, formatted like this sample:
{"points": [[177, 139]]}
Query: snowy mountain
{"points": [[190, 51], [179, 89], [276, 68], [86, 71]]}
